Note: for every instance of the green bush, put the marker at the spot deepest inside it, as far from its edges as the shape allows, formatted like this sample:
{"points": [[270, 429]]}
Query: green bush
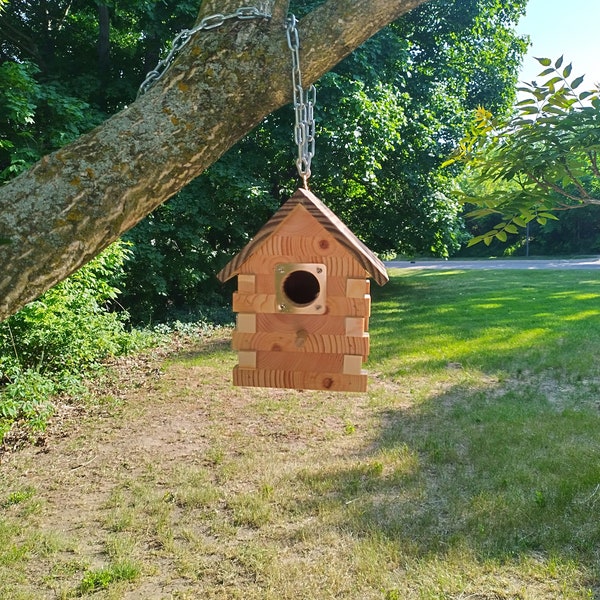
{"points": [[49, 345]]}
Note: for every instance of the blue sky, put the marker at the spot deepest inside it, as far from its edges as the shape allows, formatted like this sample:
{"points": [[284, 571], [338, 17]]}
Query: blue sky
{"points": [[569, 27]]}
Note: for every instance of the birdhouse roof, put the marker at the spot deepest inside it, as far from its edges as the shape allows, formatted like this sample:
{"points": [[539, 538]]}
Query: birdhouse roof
{"points": [[325, 217]]}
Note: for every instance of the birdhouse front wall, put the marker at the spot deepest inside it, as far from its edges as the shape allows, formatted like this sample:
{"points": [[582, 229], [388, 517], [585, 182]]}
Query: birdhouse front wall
{"points": [[317, 342]]}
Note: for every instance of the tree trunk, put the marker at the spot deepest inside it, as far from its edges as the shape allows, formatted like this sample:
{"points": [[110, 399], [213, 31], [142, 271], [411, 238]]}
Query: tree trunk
{"points": [[76, 201]]}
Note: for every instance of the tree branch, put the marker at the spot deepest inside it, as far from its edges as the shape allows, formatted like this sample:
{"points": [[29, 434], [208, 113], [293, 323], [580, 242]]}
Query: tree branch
{"points": [[593, 156]]}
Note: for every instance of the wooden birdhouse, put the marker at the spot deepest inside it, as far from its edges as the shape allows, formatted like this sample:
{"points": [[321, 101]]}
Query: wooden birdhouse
{"points": [[303, 301]]}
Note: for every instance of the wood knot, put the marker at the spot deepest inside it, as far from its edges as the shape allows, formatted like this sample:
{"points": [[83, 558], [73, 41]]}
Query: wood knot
{"points": [[276, 348], [327, 382], [323, 244]]}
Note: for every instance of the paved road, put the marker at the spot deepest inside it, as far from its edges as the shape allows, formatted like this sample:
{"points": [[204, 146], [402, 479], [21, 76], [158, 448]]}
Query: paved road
{"points": [[489, 264]]}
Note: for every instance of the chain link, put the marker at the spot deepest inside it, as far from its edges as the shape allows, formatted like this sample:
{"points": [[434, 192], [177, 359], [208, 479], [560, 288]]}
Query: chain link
{"points": [[243, 13], [304, 103]]}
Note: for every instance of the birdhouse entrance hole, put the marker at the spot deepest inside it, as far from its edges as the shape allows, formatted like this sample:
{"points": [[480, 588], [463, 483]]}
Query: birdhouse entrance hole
{"points": [[301, 288]]}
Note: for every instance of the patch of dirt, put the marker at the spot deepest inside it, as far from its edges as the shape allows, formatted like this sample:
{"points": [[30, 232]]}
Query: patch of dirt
{"points": [[152, 416]]}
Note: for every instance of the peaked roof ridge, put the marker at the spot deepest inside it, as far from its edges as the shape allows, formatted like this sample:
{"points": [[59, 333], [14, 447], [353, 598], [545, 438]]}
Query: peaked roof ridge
{"points": [[343, 234], [327, 219]]}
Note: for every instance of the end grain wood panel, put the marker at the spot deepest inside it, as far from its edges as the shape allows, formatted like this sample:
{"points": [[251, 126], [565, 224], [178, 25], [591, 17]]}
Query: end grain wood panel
{"points": [[247, 359], [336, 306], [319, 242], [335, 382], [246, 323], [246, 284], [357, 288], [352, 364], [299, 222], [301, 341], [354, 326]]}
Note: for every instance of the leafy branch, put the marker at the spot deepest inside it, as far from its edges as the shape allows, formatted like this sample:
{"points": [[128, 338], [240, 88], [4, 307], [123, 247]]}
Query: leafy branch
{"points": [[542, 159]]}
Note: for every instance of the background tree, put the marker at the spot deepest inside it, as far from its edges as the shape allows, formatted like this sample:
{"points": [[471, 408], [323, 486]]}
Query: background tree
{"points": [[387, 116], [541, 160], [77, 200]]}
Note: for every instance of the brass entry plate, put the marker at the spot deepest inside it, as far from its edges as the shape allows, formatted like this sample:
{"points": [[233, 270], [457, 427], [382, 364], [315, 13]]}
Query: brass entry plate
{"points": [[301, 288]]}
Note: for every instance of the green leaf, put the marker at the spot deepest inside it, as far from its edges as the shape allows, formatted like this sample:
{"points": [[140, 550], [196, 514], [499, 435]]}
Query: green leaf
{"points": [[546, 72], [577, 82], [501, 235], [567, 70], [547, 215], [545, 62], [511, 229], [555, 110], [559, 63], [525, 102], [552, 82], [541, 220], [529, 110]]}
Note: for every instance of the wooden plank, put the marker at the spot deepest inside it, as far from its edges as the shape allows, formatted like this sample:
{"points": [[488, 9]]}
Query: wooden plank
{"points": [[300, 361], [253, 303], [309, 324], [301, 341], [351, 307], [337, 266], [334, 382], [246, 359], [335, 305], [352, 364], [246, 283], [246, 323], [316, 241]]}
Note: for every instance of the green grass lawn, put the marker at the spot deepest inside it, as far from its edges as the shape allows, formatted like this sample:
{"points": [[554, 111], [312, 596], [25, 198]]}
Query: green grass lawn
{"points": [[469, 470]]}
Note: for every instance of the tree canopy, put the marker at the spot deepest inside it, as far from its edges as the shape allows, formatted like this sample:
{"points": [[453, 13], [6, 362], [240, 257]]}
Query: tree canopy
{"points": [[387, 117]]}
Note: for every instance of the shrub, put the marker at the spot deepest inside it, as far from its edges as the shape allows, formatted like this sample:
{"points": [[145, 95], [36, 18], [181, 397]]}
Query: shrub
{"points": [[49, 345]]}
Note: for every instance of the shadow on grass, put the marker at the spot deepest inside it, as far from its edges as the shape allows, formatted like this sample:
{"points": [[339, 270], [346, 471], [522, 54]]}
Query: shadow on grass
{"points": [[505, 467], [216, 348], [502, 474]]}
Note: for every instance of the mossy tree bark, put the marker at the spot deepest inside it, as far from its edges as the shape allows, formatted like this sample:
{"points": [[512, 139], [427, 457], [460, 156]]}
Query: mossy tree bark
{"points": [[75, 202]]}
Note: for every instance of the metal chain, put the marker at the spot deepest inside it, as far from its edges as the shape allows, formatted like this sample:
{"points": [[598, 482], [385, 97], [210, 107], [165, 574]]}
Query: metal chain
{"points": [[183, 37], [304, 103]]}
